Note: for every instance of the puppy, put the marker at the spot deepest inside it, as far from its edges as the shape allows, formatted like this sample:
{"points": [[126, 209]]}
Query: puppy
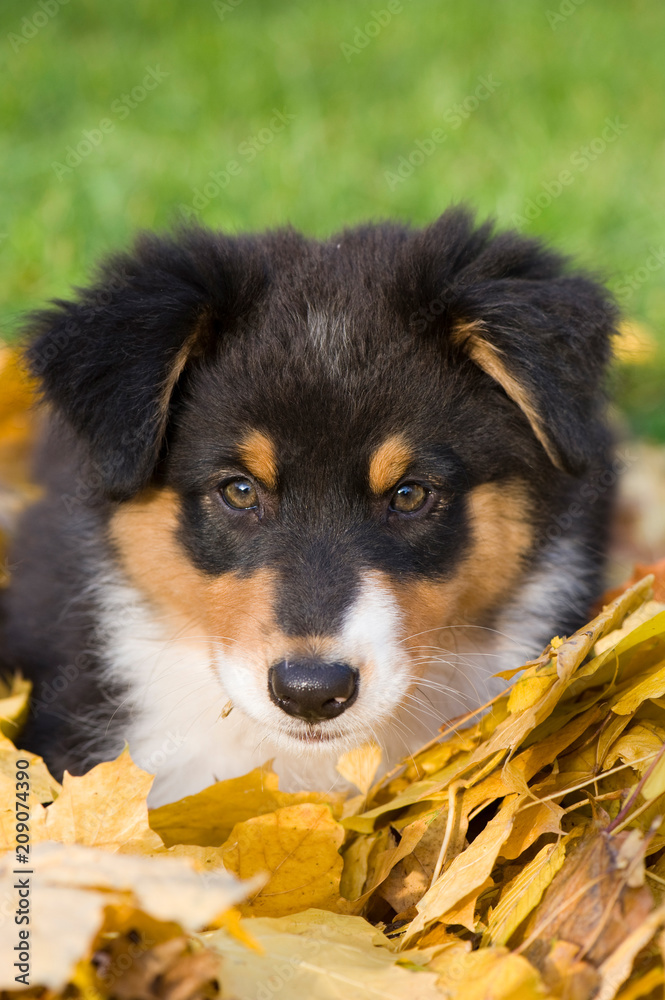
{"points": [[300, 495]]}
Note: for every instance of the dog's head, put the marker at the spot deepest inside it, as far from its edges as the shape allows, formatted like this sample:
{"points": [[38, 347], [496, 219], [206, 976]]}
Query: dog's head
{"points": [[319, 457]]}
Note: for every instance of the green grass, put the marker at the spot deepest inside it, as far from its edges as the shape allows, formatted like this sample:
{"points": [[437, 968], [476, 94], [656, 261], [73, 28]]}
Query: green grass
{"points": [[355, 115]]}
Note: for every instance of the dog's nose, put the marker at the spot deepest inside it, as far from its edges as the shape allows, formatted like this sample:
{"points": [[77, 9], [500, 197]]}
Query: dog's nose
{"points": [[313, 689]]}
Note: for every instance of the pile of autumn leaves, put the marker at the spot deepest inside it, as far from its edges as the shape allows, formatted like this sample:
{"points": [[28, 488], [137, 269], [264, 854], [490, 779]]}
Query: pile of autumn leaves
{"points": [[521, 855]]}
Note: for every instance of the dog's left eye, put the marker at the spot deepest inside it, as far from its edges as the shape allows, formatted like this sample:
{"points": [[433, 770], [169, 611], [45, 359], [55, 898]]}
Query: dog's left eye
{"points": [[240, 494], [409, 498]]}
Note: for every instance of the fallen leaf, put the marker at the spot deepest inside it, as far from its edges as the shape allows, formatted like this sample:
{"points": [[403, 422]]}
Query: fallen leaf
{"points": [[523, 893], [41, 787], [104, 808], [595, 899], [567, 976], [319, 955], [652, 685], [14, 705], [73, 885], [468, 871], [489, 974], [298, 849], [171, 970], [359, 766], [531, 822], [617, 966], [207, 818], [643, 985]]}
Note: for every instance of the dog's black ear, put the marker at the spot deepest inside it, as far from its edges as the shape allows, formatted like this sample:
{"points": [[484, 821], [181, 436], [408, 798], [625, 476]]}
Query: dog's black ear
{"points": [[110, 360], [547, 344], [543, 335]]}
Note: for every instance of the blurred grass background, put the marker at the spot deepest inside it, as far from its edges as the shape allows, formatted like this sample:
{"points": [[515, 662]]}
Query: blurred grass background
{"points": [[364, 84]]}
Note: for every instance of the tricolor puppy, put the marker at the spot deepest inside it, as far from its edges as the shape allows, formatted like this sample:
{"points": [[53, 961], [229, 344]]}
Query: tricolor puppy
{"points": [[300, 495]]}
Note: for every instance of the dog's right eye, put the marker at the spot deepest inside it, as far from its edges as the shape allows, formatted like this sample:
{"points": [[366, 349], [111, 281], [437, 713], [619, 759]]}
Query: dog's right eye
{"points": [[409, 498], [239, 494]]}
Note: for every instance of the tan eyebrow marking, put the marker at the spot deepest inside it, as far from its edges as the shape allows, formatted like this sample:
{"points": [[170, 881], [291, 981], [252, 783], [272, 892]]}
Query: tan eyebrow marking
{"points": [[258, 453], [388, 463]]}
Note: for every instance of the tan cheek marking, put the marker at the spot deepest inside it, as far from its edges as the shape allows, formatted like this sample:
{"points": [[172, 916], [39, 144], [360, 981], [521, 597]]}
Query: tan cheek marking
{"points": [[487, 357], [502, 533], [389, 463], [258, 454], [237, 611]]}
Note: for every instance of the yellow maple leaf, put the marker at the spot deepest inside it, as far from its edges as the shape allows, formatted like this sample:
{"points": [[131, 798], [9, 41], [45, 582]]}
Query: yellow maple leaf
{"points": [[298, 848], [39, 787], [43, 786], [104, 808], [207, 818]]}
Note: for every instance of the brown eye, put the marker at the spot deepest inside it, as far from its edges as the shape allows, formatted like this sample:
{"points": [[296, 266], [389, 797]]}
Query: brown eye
{"points": [[240, 494], [409, 498]]}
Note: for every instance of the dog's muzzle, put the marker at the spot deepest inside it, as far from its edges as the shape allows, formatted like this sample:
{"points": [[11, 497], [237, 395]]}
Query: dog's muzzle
{"points": [[313, 690]]}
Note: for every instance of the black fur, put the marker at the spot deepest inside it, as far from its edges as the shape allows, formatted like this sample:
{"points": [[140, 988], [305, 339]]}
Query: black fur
{"points": [[385, 360]]}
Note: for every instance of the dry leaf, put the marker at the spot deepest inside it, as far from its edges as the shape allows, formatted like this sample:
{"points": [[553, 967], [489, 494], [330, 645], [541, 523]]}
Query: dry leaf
{"points": [[171, 970], [40, 787], [643, 985], [359, 766], [616, 968], [298, 848], [104, 808], [14, 705], [595, 899], [319, 955], [523, 893], [488, 974], [73, 885], [469, 871], [207, 818]]}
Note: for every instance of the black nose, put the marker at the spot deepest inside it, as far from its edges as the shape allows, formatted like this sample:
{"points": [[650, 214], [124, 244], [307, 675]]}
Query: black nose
{"points": [[312, 689]]}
